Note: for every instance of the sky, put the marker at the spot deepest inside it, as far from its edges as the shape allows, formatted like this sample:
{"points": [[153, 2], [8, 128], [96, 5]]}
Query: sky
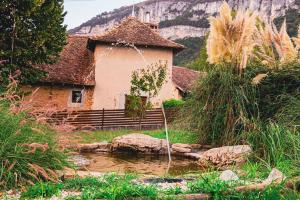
{"points": [[79, 11]]}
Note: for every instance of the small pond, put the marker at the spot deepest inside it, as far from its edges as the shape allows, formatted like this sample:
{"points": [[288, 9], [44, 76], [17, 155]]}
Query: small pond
{"points": [[141, 164]]}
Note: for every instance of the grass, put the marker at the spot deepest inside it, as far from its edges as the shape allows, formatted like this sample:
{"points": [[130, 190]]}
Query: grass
{"points": [[28, 152], [276, 146], [174, 136], [113, 187]]}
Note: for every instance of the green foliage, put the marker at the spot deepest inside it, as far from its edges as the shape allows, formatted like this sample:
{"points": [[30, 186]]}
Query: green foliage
{"points": [[173, 103], [43, 189], [31, 33], [221, 106], [184, 20], [193, 46], [292, 18], [279, 95], [17, 131], [276, 145], [200, 63], [209, 185], [147, 82], [111, 187]]}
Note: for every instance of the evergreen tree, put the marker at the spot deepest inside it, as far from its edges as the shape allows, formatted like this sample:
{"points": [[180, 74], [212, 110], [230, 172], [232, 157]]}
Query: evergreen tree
{"points": [[31, 33]]}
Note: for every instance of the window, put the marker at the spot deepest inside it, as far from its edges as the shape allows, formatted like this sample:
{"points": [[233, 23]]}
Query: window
{"points": [[76, 96]]}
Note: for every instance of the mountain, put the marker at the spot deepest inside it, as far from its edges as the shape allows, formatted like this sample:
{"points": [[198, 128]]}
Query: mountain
{"points": [[185, 21]]}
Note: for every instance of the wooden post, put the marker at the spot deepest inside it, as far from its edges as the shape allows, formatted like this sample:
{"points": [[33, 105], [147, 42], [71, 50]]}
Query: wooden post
{"points": [[140, 123], [102, 123]]}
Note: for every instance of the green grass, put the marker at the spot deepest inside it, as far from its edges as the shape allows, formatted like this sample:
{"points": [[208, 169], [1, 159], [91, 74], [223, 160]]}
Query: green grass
{"points": [[174, 136], [114, 187], [20, 164]]}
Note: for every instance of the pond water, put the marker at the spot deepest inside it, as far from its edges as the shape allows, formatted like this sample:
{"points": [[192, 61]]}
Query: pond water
{"points": [[141, 164]]}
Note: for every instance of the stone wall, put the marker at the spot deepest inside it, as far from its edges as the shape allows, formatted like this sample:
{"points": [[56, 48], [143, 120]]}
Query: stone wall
{"points": [[57, 97]]}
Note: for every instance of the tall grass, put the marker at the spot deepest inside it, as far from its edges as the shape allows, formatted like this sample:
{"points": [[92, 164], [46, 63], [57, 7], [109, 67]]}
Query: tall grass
{"points": [[276, 146], [27, 150], [221, 106]]}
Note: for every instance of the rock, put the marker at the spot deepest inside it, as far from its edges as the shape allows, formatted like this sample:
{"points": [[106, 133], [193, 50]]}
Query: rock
{"points": [[275, 176], [68, 173], [181, 148], [104, 147], [80, 161], [227, 155], [195, 156], [196, 146], [228, 175], [139, 143]]}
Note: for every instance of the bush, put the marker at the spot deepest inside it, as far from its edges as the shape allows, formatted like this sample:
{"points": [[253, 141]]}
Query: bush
{"points": [[173, 103], [279, 95], [27, 151]]}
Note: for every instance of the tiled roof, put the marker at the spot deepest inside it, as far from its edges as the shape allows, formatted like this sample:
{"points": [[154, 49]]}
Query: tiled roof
{"points": [[75, 65], [134, 32], [184, 78]]}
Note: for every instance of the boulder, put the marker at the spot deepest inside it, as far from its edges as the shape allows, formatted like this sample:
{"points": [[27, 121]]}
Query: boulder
{"points": [[227, 155], [139, 143], [181, 148], [275, 176], [95, 147], [228, 175], [195, 156], [68, 173]]}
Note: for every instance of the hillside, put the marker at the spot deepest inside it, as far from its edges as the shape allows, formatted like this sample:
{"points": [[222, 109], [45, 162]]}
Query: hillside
{"points": [[186, 20]]}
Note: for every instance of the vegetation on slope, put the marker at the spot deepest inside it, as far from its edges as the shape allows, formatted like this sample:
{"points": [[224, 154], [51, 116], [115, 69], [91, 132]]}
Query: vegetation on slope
{"points": [[193, 46]]}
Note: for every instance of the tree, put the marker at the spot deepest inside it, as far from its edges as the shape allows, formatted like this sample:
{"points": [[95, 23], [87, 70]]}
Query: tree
{"points": [[31, 33], [148, 82]]}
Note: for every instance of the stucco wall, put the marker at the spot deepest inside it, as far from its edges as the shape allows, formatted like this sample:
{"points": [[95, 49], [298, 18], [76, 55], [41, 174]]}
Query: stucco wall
{"points": [[114, 66], [57, 97]]}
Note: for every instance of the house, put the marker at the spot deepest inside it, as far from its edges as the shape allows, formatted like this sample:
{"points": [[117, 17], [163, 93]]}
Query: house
{"points": [[95, 72]]}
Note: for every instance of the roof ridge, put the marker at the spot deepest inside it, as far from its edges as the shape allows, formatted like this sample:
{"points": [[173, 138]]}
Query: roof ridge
{"points": [[133, 31]]}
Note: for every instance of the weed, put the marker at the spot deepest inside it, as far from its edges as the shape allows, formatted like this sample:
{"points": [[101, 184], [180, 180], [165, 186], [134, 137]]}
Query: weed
{"points": [[46, 189]]}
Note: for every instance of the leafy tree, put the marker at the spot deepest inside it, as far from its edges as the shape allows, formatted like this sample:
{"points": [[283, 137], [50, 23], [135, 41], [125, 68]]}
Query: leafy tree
{"points": [[31, 33], [148, 82]]}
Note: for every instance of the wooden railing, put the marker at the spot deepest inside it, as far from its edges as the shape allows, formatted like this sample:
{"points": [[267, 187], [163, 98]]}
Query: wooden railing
{"points": [[112, 119]]}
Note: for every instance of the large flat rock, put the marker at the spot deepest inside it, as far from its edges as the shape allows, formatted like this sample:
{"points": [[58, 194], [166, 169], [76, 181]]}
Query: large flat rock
{"points": [[227, 155], [139, 143]]}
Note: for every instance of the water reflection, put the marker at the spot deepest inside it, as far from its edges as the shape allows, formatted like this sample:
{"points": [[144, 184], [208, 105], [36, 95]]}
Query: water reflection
{"points": [[141, 164]]}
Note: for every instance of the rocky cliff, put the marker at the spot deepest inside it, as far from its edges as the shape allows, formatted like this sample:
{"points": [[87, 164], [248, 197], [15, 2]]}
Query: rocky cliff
{"points": [[182, 19]]}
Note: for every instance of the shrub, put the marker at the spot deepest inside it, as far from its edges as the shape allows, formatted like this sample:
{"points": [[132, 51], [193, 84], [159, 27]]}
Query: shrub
{"points": [[173, 103], [279, 95], [27, 151]]}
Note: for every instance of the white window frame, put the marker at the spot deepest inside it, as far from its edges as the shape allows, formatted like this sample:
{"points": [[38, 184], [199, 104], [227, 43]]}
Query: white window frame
{"points": [[74, 105]]}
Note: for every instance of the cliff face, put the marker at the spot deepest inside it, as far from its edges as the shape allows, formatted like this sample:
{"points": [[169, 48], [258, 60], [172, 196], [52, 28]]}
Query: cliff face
{"points": [[182, 18]]}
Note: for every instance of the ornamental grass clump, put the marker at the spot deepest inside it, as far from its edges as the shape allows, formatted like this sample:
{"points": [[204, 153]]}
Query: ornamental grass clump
{"points": [[231, 38], [221, 106], [254, 77], [28, 152]]}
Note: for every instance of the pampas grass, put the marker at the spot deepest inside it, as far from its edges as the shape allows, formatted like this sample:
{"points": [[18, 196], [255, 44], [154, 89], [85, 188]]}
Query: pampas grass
{"points": [[231, 38], [274, 48]]}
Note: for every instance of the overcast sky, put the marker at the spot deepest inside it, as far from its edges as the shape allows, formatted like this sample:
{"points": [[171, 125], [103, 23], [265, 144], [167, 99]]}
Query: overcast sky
{"points": [[80, 11]]}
